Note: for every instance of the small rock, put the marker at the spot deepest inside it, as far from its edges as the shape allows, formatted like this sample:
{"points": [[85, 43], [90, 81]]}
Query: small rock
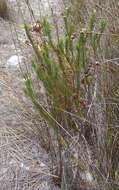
{"points": [[42, 164], [22, 165], [87, 176], [14, 60]]}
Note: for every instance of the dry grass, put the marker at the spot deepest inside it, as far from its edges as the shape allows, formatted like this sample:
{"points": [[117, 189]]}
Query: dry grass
{"points": [[22, 161]]}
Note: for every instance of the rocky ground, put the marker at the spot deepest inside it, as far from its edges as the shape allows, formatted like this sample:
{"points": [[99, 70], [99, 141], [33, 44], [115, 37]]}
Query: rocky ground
{"points": [[23, 163]]}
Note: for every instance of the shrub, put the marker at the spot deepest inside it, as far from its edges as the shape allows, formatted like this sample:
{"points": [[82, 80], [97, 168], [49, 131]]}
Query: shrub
{"points": [[71, 71]]}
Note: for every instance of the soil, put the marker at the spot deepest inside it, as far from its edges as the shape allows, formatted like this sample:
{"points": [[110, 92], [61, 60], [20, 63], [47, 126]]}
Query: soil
{"points": [[23, 163]]}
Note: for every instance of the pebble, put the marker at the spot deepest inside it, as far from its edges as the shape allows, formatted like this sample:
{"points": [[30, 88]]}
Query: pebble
{"points": [[14, 61]]}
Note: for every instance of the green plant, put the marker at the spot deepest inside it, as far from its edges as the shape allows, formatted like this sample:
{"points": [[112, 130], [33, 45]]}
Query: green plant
{"points": [[71, 72]]}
